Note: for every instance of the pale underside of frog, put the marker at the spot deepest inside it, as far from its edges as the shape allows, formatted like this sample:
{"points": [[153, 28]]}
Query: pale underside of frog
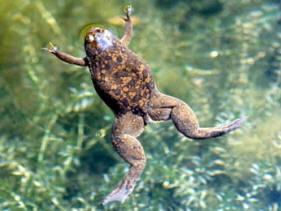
{"points": [[125, 83]]}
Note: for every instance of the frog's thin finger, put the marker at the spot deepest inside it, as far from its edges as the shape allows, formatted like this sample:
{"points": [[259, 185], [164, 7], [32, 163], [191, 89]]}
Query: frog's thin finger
{"points": [[51, 50], [48, 50], [52, 45], [128, 9]]}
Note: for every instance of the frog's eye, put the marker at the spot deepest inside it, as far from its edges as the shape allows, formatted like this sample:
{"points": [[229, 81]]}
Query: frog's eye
{"points": [[90, 38], [98, 30]]}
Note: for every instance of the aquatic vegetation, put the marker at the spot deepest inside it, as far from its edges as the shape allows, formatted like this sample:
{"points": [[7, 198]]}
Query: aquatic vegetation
{"points": [[55, 132]]}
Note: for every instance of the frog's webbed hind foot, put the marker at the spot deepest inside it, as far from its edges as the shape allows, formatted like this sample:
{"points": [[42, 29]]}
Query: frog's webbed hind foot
{"points": [[203, 133], [121, 191], [234, 125]]}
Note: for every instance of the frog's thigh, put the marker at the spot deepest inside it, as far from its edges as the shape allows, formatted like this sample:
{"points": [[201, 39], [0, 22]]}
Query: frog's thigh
{"points": [[129, 124], [160, 114], [125, 129], [163, 107]]}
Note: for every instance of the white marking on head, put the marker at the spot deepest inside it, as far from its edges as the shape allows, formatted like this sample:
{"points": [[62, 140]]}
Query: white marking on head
{"points": [[90, 38], [105, 39]]}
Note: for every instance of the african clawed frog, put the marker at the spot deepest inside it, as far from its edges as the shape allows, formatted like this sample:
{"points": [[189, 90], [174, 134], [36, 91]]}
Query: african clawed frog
{"points": [[124, 82]]}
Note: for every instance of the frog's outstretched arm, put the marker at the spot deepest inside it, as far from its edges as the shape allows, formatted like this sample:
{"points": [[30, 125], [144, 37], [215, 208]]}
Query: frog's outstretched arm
{"points": [[129, 26], [164, 107], [125, 130], [66, 57]]}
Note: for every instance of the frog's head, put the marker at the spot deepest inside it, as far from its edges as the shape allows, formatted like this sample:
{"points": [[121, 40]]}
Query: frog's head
{"points": [[98, 39]]}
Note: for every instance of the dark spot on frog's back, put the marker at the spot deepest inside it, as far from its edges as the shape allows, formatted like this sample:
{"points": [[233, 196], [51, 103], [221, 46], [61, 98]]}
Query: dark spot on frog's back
{"points": [[137, 97], [125, 102], [134, 70], [117, 92], [132, 83], [107, 66], [144, 74], [119, 74], [99, 50], [107, 57], [119, 59]]}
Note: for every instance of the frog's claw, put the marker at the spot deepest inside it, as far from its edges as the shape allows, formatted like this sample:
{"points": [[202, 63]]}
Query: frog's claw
{"points": [[128, 9], [53, 49]]}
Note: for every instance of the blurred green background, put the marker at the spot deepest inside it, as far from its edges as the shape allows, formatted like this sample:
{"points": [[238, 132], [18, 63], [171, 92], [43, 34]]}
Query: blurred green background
{"points": [[222, 57]]}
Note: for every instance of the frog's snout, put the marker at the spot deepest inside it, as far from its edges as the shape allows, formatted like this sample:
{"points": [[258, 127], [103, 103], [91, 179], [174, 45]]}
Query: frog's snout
{"points": [[93, 33]]}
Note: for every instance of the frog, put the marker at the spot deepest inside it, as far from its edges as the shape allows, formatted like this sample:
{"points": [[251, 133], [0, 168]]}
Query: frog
{"points": [[125, 83]]}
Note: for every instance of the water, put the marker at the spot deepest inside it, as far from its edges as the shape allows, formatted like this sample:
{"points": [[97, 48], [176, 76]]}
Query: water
{"points": [[221, 57]]}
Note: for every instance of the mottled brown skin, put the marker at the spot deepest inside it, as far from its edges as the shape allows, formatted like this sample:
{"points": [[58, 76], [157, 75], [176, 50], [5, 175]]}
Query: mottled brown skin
{"points": [[121, 79], [125, 83]]}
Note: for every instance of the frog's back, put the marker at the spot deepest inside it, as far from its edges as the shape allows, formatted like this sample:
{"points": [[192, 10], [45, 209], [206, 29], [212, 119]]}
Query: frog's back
{"points": [[122, 79]]}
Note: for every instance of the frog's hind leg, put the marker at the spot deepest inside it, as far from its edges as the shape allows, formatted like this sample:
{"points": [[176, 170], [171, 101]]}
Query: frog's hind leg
{"points": [[164, 107], [125, 130]]}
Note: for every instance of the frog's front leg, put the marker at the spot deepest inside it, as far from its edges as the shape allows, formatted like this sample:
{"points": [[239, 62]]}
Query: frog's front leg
{"points": [[66, 57], [129, 26], [165, 107], [125, 130]]}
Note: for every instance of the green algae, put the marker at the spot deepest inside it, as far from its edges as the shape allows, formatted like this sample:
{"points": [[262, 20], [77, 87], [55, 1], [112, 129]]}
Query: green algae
{"points": [[222, 57]]}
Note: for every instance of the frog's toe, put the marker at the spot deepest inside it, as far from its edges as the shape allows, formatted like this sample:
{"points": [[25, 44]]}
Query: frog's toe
{"points": [[236, 124], [120, 193], [52, 49]]}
